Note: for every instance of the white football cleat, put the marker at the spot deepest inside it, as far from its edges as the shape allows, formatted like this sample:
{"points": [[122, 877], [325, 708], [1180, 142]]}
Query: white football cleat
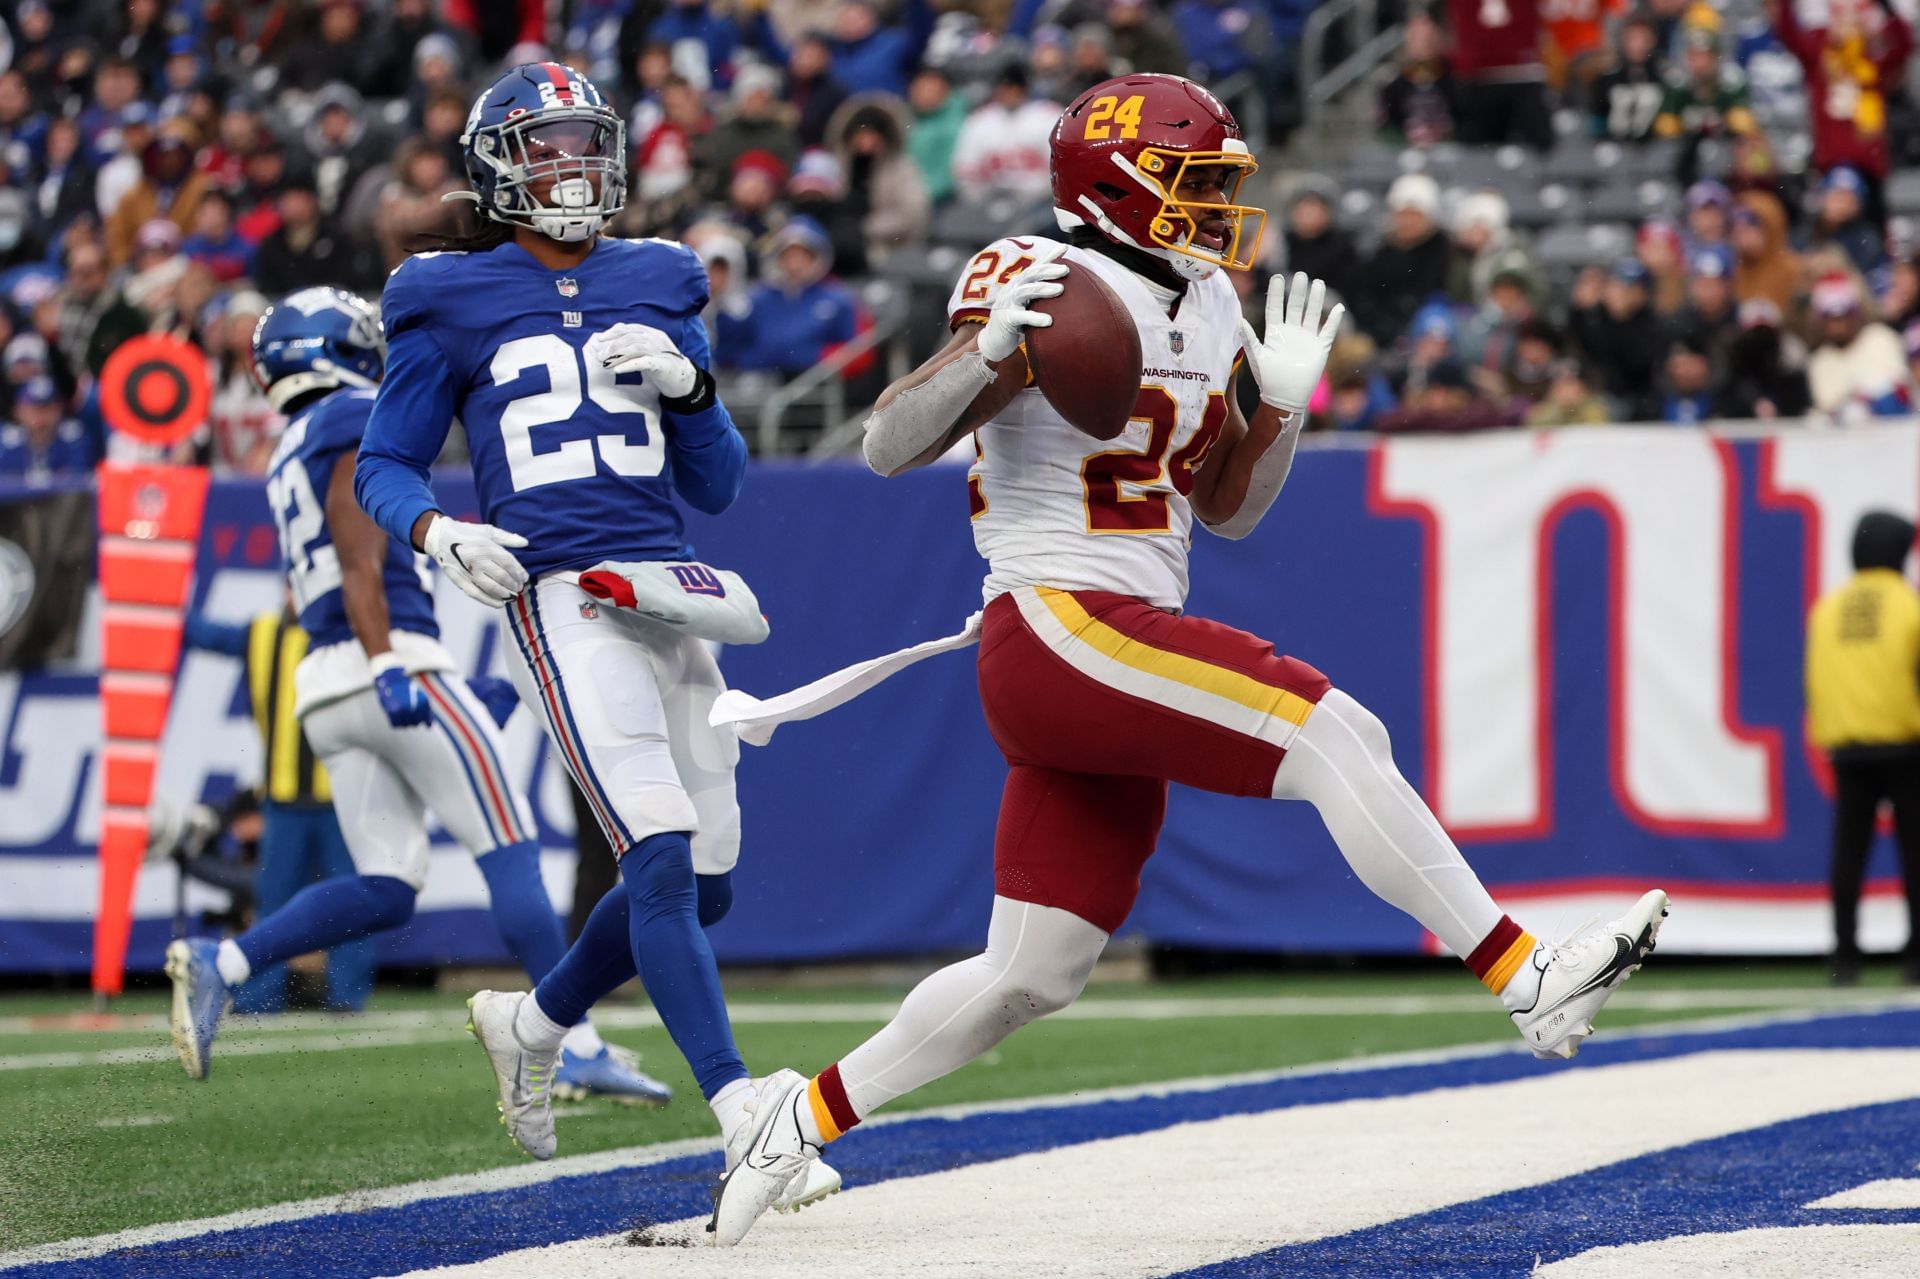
{"points": [[821, 1178], [525, 1077], [1576, 977], [773, 1154]]}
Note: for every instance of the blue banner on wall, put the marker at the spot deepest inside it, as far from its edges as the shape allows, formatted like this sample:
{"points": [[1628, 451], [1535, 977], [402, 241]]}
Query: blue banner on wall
{"points": [[1587, 646]]}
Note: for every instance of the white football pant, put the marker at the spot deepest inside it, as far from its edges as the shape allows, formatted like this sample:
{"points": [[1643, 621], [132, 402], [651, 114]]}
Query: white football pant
{"points": [[625, 701], [386, 778]]}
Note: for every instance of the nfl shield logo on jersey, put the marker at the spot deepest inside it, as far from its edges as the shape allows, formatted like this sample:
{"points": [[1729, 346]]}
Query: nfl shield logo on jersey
{"points": [[568, 286], [1176, 341], [589, 609]]}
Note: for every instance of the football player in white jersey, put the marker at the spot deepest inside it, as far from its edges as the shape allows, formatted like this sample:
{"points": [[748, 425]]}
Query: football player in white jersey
{"points": [[1096, 686]]}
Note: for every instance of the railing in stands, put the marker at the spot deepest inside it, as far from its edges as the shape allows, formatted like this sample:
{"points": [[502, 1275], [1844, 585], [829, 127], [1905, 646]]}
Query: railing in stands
{"points": [[1366, 44], [823, 384]]}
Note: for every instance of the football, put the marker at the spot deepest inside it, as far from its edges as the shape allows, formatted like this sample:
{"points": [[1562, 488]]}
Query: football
{"points": [[1087, 363]]}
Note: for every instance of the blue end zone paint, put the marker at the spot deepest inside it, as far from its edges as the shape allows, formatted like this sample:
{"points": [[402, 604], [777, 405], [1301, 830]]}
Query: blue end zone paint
{"points": [[467, 1228], [1760, 1177]]}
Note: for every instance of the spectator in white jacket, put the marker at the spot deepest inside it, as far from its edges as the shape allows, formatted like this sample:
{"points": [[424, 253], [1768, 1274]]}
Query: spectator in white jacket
{"points": [[1859, 369], [1003, 145]]}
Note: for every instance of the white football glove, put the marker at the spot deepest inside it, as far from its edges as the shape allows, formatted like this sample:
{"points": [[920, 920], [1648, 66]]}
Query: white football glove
{"points": [[1012, 312], [1287, 365], [643, 349], [476, 559]]}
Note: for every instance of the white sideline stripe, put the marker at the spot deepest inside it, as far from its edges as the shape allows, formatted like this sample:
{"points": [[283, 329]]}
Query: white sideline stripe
{"points": [[1892, 1193], [526, 1174], [1208, 1191], [1091, 1008], [147, 1054]]}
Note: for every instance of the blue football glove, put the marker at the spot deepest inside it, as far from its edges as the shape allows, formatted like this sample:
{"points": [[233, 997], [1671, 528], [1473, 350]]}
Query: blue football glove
{"points": [[404, 701], [496, 695]]}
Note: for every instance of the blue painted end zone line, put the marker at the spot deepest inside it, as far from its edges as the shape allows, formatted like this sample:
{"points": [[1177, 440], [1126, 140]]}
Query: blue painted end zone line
{"points": [[468, 1228], [1757, 1178]]}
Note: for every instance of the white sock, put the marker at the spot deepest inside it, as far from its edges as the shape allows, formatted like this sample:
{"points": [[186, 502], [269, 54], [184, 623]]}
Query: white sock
{"points": [[1342, 763], [583, 1040], [233, 965], [1036, 961], [535, 1030], [730, 1106]]}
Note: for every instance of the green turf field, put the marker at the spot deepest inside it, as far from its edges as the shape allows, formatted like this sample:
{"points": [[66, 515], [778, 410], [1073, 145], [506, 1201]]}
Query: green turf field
{"points": [[102, 1131]]}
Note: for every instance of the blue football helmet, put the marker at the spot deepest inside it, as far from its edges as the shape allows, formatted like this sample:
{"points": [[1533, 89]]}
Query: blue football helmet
{"points": [[542, 122], [317, 339]]}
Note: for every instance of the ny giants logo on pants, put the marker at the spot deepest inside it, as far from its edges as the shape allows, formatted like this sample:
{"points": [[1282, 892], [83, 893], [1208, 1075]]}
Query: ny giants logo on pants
{"points": [[698, 579]]}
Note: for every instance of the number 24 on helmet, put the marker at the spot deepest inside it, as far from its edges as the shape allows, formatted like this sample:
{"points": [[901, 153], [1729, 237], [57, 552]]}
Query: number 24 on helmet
{"points": [[1121, 152]]}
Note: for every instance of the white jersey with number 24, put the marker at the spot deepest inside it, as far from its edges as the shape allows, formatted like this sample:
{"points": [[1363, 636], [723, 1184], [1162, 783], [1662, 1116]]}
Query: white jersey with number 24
{"points": [[1053, 506]]}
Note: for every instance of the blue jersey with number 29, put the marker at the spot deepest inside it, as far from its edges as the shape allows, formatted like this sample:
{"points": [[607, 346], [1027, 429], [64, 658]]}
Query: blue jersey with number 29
{"points": [[582, 463], [297, 482]]}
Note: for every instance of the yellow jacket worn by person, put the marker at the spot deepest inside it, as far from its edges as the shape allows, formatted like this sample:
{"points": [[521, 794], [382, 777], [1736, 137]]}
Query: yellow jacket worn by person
{"points": [[1863, 663]]}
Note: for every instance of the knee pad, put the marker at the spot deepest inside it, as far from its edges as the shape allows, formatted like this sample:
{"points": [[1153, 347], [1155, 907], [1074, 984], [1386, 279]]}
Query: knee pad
{"points": [[389, 900], [716, 897], [658, 875]]}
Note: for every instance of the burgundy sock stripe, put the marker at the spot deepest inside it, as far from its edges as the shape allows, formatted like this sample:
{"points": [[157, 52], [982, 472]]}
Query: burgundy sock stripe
{"points": [[1489, 951], [834, 1093]]}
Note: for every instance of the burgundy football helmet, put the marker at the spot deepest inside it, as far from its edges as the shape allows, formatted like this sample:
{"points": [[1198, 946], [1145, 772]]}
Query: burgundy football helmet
{"points": [[1120, 153]]}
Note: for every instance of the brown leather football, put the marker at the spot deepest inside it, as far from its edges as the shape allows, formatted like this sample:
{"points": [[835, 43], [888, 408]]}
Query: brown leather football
{"points": [[1087, 362]]}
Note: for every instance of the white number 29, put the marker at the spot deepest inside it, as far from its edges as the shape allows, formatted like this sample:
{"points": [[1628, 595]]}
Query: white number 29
{"points": [[573, 460]]}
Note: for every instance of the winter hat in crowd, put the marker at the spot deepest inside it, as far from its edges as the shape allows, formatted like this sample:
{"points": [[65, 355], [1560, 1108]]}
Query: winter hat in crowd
{"points": [[1708, 192], [1482, 208], [1434, 320], [802, 231], [816, 173], [1631, 271], [1843, 178], [763, 161], [1414, 191], [37, 390], [437, 44], [1835, 295], [1711, 262], [157, 235], [26, 348], [755, 77]]}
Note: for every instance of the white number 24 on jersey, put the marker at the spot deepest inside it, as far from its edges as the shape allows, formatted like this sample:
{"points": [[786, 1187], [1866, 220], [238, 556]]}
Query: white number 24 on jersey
{"points": [[575, 459]]}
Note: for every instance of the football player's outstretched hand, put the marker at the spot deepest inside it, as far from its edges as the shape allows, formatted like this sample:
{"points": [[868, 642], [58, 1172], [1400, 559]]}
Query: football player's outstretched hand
{"points": [[1012, 313], [1288, 362], [477, 558], [643, 349]]}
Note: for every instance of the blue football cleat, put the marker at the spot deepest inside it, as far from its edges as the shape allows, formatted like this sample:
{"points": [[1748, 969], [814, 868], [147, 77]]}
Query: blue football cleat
{"points": [[199, 998], [615, 1074]]}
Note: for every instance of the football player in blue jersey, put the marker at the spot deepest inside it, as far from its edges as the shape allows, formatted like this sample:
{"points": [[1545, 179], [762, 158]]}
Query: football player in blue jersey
{"points": [[381, 704], [577, 365]]}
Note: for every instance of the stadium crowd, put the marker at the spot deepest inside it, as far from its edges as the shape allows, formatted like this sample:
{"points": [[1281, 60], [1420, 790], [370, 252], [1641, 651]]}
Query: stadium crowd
{"points": [[1768, 293], [169, 167]]}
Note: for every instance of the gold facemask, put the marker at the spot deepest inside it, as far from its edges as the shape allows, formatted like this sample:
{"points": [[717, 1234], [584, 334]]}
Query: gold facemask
{"points": [[1178, 220]]}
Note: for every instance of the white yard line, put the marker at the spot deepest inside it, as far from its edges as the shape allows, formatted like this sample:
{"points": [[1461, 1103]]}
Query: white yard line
{"points": [[321, 1032], [525, 1174]]}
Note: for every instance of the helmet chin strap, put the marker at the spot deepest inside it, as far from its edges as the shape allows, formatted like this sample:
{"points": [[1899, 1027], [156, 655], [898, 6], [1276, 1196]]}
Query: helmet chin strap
{"points": [[1098, 224]]}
